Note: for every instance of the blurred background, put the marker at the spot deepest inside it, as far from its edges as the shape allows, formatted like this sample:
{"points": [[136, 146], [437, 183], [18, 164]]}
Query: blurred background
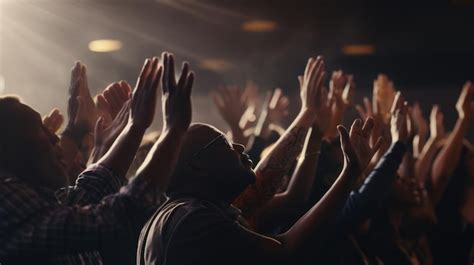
{"points": [[426, 49]]}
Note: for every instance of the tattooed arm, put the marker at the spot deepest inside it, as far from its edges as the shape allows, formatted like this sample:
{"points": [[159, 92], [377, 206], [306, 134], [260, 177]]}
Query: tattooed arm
{"points": [[276, 164]]}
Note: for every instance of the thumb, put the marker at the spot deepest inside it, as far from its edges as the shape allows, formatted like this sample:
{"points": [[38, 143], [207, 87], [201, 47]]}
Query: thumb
{"points": [[99, 128], [344, 136]]}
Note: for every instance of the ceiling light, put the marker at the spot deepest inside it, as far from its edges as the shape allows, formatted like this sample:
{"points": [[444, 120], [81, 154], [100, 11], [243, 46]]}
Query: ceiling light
{"points": [[216, 65], [105, 45], [259, 25], [358, 49]]}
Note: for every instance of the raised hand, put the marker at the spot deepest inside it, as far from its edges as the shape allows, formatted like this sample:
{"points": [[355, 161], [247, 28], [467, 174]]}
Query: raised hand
{"points": [[53, 121], [143, 100], [231, 104], [311, 84], [85, 114], [398, 123], [105, 135], [324, 112], [421, 123], [112, 99], [176, 95], [356, 146], [464, 103], [341, 90], [278, 107], [437, 130], [383, 96]]}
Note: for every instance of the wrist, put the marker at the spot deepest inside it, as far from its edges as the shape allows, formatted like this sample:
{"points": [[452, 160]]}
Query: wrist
{"points": [[75, 133], [306, 116]]}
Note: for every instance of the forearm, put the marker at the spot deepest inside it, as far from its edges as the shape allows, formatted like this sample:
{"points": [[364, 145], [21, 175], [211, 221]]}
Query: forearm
{"points": [[313, 221], [443, 167], [301, 183], [373, 193], [274, 166], [425, 160], [161, 160], [122, 152], [303, 178]]}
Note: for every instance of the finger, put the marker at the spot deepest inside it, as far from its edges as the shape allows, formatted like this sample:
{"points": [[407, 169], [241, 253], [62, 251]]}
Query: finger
{"points": [[127, 89], [300, 80], [184, 74], [397, 102], [344, 137], [171, 75], [84, 84], [143, 75], [158, 76], [75, 70], [122, 91], [115, 94], [164, 82], [152, 74], [356, 127], [111, 101], [189, 84], [309, 64], [368, 106], [367, 127], [317, 73], [275, 98], [102, 103], [361, 111], [377, 144], [99, 128]]}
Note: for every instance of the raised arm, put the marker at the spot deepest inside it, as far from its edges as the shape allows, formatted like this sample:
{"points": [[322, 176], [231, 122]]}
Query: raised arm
{"points": [[287, 203], [176, 106], [443, 166], [120, 155], [341, 92], [427, 155], [372, 194], [357, 154], [276, 164]]}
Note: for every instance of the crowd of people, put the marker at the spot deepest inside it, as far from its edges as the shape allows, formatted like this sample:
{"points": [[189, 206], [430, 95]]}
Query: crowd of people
{"points": [[394, 188]]}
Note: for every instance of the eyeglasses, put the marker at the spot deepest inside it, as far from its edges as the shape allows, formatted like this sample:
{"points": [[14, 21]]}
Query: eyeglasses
{"points": [[221, 138]]}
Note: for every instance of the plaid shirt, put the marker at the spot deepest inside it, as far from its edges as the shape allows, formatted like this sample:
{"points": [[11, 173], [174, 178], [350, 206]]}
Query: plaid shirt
{"points": [[72, 226]]}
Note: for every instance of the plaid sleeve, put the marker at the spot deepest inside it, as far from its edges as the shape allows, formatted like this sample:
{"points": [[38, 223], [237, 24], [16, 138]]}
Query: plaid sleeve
{"points": [[93, 185], [32, 224]]}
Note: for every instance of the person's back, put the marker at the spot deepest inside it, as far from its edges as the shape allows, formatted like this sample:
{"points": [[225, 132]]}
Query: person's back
{"points": [[194, 231]]}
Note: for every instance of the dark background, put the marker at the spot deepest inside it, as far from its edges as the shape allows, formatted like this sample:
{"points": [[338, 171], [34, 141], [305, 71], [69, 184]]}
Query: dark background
{"points": [[427, 49]]}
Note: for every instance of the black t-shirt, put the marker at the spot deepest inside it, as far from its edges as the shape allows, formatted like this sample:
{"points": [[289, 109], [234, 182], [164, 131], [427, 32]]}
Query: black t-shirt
{"points": [[192, 231]]}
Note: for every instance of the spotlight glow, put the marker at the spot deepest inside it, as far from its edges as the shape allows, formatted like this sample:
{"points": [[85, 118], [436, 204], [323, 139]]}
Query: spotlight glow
{"points": [[105, 45], [259, 26], [358, 49], [215, 65]]}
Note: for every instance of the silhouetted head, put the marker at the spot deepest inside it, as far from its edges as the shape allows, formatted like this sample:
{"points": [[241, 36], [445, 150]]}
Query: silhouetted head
{"points": [[210, 166], [28, 149]]}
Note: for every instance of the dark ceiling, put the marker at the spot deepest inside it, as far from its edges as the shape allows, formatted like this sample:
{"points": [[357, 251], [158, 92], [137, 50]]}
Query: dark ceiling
{"points": [[424, 47]]}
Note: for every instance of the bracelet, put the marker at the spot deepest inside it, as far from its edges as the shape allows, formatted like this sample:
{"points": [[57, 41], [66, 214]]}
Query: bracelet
{"points": [[313, 154]]}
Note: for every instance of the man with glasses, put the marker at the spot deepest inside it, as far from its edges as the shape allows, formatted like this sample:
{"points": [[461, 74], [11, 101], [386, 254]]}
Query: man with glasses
{"points": [[214, 191]]}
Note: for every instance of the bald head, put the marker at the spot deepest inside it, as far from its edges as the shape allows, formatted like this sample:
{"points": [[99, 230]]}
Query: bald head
{"points": [[210, 166]]}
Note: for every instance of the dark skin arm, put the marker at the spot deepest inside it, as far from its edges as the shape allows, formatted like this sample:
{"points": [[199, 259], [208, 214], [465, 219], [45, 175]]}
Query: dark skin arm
{"points": [[276, 164], [176, 103], [357, 154], [142, 109], [443, 166], [284, 205]]}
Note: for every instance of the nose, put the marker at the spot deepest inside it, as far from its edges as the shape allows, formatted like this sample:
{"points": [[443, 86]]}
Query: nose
{"points": [[239, 148]]}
